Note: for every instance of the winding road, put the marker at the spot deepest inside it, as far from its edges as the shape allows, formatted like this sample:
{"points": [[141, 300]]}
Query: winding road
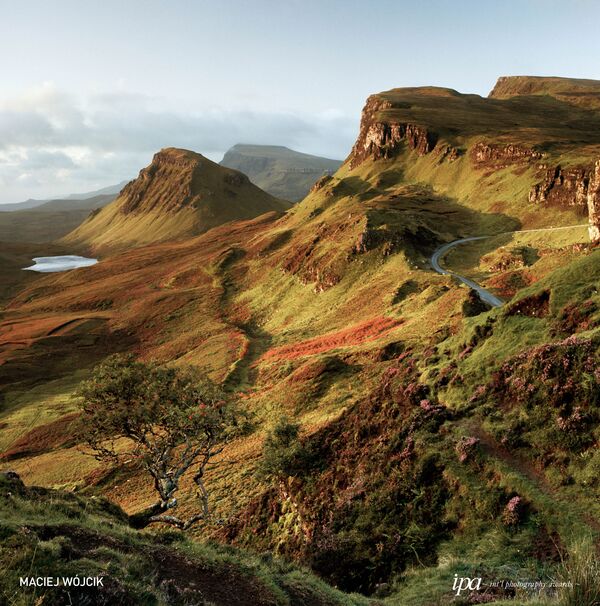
{"points": [[485, 295]]}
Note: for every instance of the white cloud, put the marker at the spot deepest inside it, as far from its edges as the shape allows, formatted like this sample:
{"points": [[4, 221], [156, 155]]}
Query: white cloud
{"points": [[52, 143]]}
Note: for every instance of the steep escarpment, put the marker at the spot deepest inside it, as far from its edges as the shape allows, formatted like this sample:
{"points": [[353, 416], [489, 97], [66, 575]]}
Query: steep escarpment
{"points": [[180, 194], [383, 139], [562, 187], [526, 149], [577, 187], [593, 202]]}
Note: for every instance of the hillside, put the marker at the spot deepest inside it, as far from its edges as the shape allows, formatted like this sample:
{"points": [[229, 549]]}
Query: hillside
{"points": [[577, 91], [178, 195], [69, 536], [403, 433], [49, 221], [281, 171]]}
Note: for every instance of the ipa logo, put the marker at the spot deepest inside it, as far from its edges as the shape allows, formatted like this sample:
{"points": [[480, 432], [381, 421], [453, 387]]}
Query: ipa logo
{"points": [[463, 584]]}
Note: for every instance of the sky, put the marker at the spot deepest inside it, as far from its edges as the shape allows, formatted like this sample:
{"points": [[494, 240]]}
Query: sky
{"points": [[92, 89]]}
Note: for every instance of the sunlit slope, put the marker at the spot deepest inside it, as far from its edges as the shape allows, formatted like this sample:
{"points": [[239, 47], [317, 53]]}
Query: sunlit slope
{"points": [[180, 194], [530, 157], [345, 270], [577, 91]]}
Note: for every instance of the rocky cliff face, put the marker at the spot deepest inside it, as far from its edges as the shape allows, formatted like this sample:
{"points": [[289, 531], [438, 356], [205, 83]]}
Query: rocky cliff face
{"points": [[168, 182], [593, 201], [563, 187], [321, 183], [502, 155], [575, 187], [378, 139]]}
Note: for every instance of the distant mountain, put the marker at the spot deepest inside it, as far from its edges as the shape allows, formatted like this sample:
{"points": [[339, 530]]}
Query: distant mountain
{"points": [[31, 203], [48, 221], [180, 194], [111, 191], [281, 171], [86, 204]]}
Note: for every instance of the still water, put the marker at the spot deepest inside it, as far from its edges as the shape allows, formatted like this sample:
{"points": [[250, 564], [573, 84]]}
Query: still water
{"points": [[61, 263]]}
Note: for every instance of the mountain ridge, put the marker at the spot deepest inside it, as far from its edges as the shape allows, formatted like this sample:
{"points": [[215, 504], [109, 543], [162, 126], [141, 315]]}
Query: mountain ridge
{"points": [[49, 221], [111, 190]]}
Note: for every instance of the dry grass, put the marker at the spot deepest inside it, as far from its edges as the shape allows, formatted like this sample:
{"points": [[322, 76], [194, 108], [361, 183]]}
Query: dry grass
{"points": [[354, 335]]}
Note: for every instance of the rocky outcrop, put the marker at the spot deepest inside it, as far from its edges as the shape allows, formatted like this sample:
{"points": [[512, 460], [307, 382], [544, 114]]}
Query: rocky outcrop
{"points": [[380, 139], [448, 153], [321, 183], [502, 155], [593, 202], [577, 187], [371, 238], [178, 169], [417, 241], [565, 187]]}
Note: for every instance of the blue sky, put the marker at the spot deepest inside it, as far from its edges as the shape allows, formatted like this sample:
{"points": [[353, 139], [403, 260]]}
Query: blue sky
{"points": [[91, 89]]}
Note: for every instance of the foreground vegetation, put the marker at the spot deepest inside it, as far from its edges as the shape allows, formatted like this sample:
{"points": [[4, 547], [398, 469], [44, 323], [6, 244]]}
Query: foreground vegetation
{"points": [[48, 533]]}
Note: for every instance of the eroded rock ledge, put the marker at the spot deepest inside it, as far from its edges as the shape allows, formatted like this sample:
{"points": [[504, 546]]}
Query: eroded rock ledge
{"points": [[502, 155], [382, 140], [593, 202], [562, 187], [166, 166], [577, 187]]}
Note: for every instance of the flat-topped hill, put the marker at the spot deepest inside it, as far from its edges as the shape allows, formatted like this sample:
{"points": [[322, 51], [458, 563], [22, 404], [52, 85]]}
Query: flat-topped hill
{"points": [[281, 171]]}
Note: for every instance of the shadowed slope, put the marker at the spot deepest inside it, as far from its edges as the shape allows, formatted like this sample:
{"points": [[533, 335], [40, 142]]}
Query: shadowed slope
{"points": [[281, 171], [49, 221], [69, 535]]}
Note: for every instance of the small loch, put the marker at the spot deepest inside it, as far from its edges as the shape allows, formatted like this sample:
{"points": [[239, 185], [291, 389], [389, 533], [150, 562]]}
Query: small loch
{"points": [[60, 263]]}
